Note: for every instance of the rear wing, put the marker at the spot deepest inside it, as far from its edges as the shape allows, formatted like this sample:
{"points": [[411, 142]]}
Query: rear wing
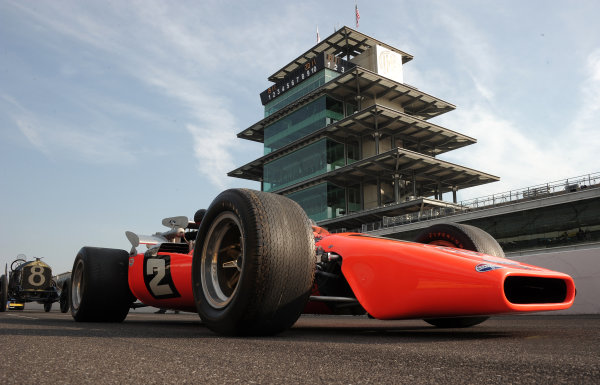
{"points": [[177, 227]]}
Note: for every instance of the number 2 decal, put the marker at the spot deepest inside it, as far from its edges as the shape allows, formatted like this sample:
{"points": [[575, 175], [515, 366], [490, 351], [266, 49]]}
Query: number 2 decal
{"points": [[157, 277]]}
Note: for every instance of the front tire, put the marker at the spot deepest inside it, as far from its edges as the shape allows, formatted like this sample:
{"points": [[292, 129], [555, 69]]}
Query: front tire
{"points": [[253, 265], [461, 237], [47, 306], [99, 286], [3, 293], [63, 300]]}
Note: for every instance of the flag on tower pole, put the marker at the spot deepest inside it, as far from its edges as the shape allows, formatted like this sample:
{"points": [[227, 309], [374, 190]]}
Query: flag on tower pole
{"points": [[318, 36], [357, 14]]}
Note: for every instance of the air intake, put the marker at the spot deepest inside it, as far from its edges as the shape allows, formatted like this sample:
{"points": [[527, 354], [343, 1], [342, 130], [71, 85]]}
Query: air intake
{"points": [[532, 290]]}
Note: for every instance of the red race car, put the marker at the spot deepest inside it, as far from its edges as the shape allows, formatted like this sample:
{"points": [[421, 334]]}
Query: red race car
{"points": [[252, 263]]}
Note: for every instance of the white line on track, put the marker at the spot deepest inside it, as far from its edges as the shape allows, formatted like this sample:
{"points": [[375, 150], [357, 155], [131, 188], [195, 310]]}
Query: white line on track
{"points": [[21, 316]]}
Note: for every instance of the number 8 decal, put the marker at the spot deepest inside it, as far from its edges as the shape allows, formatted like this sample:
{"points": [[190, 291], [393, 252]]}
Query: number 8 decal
{"points": [[36, 276], [157, 277]]}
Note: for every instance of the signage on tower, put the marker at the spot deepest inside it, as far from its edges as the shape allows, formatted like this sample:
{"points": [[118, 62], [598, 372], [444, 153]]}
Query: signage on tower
{"points": [[309, 68]]}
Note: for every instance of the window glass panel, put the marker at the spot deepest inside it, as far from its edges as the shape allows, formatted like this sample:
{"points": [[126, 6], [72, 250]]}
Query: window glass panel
{"points": [[305, 120], [297, 166], [304, 88], [353, 199], [294, 126], [325, 201], [353, 152], [335, 155], [313, 200], [336, 201]]}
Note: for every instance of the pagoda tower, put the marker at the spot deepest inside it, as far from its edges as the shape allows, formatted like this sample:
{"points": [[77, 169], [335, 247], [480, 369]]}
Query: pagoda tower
{"points": [[348, 140]]}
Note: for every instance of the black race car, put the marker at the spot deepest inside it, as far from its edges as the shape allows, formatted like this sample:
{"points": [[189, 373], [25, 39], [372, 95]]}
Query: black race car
{"points": [[28, 282]]}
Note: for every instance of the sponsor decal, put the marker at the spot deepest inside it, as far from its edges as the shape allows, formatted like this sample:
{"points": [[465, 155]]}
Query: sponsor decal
{"points": [[131, 261], [483, 267]]}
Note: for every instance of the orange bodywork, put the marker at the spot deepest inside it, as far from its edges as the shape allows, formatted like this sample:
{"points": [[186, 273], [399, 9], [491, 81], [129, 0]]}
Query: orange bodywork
{"points": [[179, 275], [391, 279]]}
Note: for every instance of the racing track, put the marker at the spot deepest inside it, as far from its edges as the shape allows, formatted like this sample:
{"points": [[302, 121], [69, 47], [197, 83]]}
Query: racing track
{"points": [[38, 347]]}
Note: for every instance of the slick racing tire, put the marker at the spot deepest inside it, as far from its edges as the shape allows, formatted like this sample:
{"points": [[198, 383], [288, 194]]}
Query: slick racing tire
{"points": [[63, 300], [47, 306], [99, 286], [254, 263], [462, 237], [3, 293]]}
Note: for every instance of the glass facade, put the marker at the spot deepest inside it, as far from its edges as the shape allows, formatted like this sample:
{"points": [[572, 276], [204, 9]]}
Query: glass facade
{"points": [[327, 201], [309, 161], [304, 88], [310, 118]]}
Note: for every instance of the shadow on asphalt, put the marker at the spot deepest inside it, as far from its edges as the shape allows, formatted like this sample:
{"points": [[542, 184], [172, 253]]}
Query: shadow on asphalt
{"points": [[350, 330]]}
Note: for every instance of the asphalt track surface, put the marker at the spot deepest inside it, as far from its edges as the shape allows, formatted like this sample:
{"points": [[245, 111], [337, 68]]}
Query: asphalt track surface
{"points": [[38, 347]]}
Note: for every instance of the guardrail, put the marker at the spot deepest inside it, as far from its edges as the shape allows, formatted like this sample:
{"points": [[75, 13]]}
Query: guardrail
{"points": [[534, 192], [530, 193]]}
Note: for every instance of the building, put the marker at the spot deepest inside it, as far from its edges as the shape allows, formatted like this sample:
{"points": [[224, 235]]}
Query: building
{"points": [[348, 140], [563, 214]]}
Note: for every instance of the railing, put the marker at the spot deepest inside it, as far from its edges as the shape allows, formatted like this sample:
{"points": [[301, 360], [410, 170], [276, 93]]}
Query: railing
{"points": [[530, 193], [534, 192]]}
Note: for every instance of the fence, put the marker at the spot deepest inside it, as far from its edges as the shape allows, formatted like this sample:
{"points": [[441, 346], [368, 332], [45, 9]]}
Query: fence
{"points": [[534, 192]]}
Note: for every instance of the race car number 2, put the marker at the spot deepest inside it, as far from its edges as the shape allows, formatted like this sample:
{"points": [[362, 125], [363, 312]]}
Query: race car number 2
{"points": [[157, 277]]}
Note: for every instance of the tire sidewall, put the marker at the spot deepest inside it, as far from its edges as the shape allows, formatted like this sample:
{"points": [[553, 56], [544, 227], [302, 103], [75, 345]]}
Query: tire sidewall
{"points": [[78, 311], [228, 201], [446, 233], [65, 294], [278, 264], [104, 294], [3, 292], [462, 237]]}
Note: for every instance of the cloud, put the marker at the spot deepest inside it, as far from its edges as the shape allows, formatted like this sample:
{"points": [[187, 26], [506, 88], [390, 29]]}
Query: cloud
{"points": [[586, 119], [31, 134], [474, 55], [518, 154], [103, 145]]}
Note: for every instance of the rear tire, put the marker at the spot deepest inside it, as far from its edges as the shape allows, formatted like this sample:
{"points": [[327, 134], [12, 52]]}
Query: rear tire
{"points": [[461, 237], [3, 293], [254, 263], [99, 286], [47, 306], [63, 300]]}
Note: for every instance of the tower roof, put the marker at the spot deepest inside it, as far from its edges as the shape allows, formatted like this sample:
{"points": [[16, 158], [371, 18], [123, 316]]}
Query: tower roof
{"points": [[343, 42]]}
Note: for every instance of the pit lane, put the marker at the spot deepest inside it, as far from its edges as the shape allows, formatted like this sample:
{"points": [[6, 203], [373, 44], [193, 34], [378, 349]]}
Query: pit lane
{"points": [[38, 347]]}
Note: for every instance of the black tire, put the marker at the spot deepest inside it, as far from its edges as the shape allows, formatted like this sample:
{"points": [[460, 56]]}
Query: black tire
{"points": [[47, 306], [254, 264], [99, 286], [3, 293], [63, 300], [199, 215], [462, 237]]}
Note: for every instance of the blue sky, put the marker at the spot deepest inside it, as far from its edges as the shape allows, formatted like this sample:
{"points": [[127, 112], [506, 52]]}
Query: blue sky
{"points": [[116, 114]]}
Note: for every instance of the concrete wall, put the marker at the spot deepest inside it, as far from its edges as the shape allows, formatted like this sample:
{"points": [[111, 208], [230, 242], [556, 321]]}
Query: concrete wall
{"points": [[583, 265]]}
